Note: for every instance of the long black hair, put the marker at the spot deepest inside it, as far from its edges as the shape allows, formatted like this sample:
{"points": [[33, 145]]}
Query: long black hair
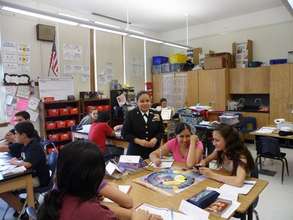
{"points": [[80, 170], [180, 127], [235, 149]]}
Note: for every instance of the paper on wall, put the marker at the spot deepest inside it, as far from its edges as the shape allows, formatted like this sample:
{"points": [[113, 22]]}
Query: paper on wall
{"points": [[72, 52], [23, 91], [21, 104], [34, 115], [9, 58], [25, 69], [9, 47], [24, 59], [33, 103], [11, 68], [24, 49], [86, 70], [11, 90], [9, 99]]}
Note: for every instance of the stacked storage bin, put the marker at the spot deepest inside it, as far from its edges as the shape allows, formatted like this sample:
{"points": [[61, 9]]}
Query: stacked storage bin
{"points": [[160, 64]]}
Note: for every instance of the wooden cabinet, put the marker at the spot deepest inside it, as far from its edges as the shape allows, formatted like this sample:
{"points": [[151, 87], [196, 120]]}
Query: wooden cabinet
{"points": [[281, 94], [192, 88], [213, 88], [250, 80]]}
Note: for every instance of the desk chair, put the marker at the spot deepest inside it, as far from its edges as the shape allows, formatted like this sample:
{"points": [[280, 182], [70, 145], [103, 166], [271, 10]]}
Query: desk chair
{"points": [[31, 212], [269, 147]]}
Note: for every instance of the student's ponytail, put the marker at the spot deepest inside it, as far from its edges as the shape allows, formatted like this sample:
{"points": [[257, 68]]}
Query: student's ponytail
{"points": [[51, 207]]}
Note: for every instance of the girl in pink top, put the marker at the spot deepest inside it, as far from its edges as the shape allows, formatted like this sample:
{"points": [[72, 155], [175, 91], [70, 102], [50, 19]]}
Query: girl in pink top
{"points": [[185, 147]]}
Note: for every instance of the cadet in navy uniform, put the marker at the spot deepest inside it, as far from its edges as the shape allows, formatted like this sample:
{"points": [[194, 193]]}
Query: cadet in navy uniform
{"points": [[143, 127]]}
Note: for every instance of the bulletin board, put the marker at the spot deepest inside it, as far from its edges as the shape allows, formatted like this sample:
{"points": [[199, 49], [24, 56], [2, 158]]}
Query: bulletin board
{"points": [[59, 88]]}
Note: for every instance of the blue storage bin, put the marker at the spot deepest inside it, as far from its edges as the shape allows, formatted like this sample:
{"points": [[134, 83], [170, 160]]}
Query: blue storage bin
{"points": [[157, 60], [157, 69], [278, 61], [166, 68]]}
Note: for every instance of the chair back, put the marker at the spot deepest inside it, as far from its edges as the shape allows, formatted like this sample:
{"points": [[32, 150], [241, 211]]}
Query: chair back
{"points": [[268, 146], [31, 212], [52, 161]]}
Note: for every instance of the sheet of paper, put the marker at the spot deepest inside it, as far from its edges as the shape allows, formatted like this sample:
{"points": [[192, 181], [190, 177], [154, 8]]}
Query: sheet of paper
{"points": [[23, 91], [11, 90], [192, 210], [21, 104], [129, 159], [34, 115], [110, 168], [166, 113], [164, 164], [9, 47], [231, 195], [121, 99], [9, 58], [11, 68], [163, 212], [9, 99], [33, 103], [266, 130], [247, 186]]}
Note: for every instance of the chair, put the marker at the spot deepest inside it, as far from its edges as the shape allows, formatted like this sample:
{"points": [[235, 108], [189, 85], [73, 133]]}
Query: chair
{"points": [[31, 212], [269, 147], [247, 124]]}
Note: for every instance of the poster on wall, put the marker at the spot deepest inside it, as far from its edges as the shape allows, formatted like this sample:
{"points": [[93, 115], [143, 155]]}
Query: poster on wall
{"points": [[72, 52], [11, 68], [9, 47]]}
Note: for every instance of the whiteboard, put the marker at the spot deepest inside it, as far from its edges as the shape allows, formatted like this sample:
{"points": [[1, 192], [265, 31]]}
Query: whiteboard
{"points": [[59, 88]]}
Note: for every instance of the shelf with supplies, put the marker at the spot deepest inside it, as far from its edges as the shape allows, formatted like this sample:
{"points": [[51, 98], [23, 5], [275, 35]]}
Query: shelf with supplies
{"points": [[57, 119], [101, 104]]}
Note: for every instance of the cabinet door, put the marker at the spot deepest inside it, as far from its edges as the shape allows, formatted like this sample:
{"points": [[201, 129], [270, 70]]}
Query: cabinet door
{"points": [[192, 88], [279, 91], [291, 94], [157, 87], [250, 80], [213, 88]]}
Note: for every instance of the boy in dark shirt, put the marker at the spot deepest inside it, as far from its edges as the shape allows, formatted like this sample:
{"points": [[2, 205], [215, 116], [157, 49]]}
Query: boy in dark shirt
{"points": [[33, 157]]}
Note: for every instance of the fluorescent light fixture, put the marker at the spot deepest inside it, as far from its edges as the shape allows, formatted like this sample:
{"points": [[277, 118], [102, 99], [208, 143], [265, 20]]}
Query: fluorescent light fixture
{"points": [[36, 15], [103, 29], [146, 38], [176, 45], [107, 25], [75, 17], [290, 3], [134, 31]]}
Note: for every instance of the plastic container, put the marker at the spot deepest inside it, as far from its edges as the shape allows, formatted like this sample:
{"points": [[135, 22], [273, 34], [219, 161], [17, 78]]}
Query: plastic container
{"points": [[177, 67], [166, 68], [54, 137], [100, 108], [278, 61], [70, 123], [254, 64], [73, 111], [157, 60], [156, 68], [53, 112], [60, 124], [178, 58], [50, 125], [65, 136], [63, 111]]}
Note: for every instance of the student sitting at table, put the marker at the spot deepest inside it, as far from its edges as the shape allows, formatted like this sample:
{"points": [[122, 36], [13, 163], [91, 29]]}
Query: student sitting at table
{"points": [[231, 154], [185, 147], [33, 157], [10, 144], [80, 171], [90, 118], [98, 133]]}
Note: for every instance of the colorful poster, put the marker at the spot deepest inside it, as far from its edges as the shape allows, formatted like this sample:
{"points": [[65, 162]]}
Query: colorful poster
{"points": [[21, 104]]}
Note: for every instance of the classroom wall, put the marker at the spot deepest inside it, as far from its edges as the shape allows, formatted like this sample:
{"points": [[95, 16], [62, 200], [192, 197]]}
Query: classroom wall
{"points": [[270, 30]]}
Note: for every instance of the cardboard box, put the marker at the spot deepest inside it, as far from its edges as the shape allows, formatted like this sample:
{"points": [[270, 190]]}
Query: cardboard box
{"points": [[218, 61], [194, 54]]}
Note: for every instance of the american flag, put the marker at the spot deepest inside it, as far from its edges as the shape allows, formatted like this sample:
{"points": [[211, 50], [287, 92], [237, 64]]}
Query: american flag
{"points": [[53, 60]]}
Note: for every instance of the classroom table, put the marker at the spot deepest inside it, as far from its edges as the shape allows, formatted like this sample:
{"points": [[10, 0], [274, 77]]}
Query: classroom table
{"points": [[142, 194], [118, 142], [18, 181], [273, 134]]}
